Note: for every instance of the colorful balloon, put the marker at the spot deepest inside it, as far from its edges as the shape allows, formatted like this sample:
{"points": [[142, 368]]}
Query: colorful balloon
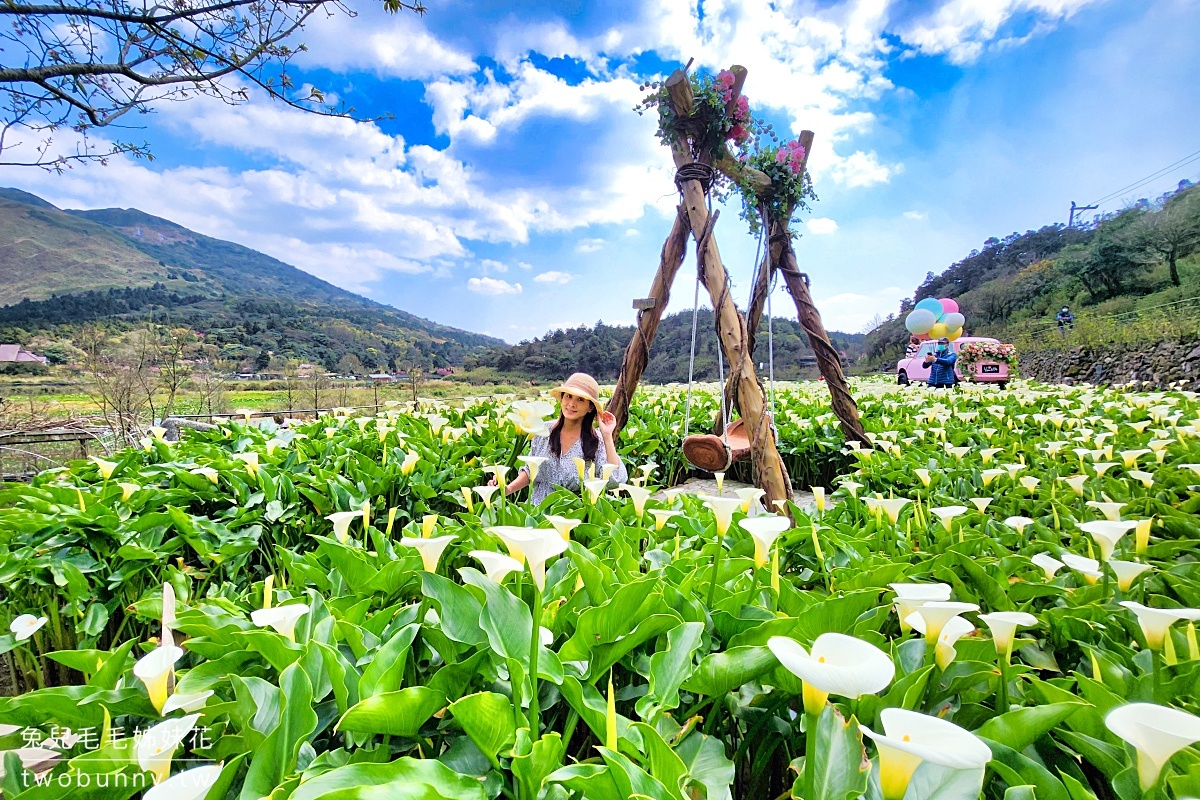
{"points": [[954, 334], [949, 306], [919, 320], [938, 330], [932, 305], [953, 319]]}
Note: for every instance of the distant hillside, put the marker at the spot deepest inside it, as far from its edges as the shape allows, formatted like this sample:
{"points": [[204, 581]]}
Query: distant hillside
{"points": [[1142, 256], [122, 267], [598, 350]]}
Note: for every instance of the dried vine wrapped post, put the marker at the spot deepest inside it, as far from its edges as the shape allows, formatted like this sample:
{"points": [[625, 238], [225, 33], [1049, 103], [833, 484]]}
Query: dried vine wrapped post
{"points": [[696, 143], [775, 200], [637, 353]]}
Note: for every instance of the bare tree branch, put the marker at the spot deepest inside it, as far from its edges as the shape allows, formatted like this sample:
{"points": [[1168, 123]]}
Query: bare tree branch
{"points": [[86, 64]]}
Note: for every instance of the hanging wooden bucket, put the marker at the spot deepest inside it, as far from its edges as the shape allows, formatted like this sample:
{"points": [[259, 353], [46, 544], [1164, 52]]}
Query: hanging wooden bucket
{"points": [[712, 453]]}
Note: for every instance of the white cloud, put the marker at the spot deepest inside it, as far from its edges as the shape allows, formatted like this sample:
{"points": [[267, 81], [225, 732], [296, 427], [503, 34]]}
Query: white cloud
{"points": [[553, 276], [524, 265], [821, 225], [631, 232], [589, 245], [390, 45], [916, 215], [495, 266], [493, 286], [851, 311], [962, 29]]}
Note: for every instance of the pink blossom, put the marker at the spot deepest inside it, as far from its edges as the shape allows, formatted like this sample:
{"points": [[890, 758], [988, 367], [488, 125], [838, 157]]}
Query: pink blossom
{"points": [[738, 133], [780, 157], [743, 109]]}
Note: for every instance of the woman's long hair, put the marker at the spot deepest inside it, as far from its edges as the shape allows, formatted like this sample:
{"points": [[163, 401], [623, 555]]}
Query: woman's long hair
{"points": [[589, 440]]}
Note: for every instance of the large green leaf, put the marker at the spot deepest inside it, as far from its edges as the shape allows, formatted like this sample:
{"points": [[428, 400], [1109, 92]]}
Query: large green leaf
{"points": [[707, 765], [669, 668], [488, 719], [402, 779], [276, 758], [591, 781], [718, 673], [1022, 727], [399, 713], [386, 670], [504, 618], [543, 758], [612, 619], [458, 609], [839, 769]]}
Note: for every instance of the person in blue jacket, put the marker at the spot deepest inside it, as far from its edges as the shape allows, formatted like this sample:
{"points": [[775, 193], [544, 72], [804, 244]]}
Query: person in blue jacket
{"points": [[941, 366]]}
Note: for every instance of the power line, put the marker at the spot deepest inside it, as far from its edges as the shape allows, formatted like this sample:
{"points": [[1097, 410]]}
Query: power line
{"points": [[1183, 162]]}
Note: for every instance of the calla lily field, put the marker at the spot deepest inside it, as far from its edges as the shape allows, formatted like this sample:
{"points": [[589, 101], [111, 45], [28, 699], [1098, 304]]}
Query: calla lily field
{"points": [[995, 597]]}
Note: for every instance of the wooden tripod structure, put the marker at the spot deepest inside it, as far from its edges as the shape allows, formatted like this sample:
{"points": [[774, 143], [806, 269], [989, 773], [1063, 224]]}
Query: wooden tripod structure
{"points": [[735, 332]]}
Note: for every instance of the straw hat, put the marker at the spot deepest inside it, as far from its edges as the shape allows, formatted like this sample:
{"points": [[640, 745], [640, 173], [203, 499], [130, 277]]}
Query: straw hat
{"points": [[581, 385]]}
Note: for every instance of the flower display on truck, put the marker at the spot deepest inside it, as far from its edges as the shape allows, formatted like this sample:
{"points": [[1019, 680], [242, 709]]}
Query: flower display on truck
{"points": [[976, 352]]}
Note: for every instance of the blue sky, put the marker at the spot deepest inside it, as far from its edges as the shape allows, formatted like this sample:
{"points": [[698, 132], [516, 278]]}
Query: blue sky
{"points": [[515, 190]]}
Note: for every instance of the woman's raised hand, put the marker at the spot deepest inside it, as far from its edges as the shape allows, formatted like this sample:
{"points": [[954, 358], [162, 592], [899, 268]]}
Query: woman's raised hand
{"points": [[608, 423]]}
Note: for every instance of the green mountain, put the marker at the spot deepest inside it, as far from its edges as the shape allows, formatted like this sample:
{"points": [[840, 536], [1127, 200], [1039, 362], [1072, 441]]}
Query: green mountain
{"points": [[598, 351], [122, 268], [1142, 260]]}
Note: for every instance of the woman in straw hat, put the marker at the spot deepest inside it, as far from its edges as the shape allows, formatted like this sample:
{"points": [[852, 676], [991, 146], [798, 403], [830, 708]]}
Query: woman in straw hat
{"points": [[573, 436]]}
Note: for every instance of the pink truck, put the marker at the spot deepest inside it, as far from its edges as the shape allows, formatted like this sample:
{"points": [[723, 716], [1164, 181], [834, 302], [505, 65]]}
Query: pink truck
{"points": [[913, 369]]}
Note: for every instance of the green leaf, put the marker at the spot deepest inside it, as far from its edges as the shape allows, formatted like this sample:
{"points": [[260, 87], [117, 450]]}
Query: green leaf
{"points": [[631, 779], [612, 619], [935, 782], [386, 670], [669, 668], [838, 772], [504, 618], [458, 609], [592, 781], [707, 765], [544, 757], [487, 718], [1019, 770], [718, 673], [276, 759], [665, 764], [399, 713], [605, 655], [1020, 793], [1022, 727], [402, 779]]}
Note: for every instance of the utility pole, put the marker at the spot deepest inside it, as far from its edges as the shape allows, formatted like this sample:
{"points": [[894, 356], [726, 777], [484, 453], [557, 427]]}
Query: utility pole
{"points": [[1075, 208]]}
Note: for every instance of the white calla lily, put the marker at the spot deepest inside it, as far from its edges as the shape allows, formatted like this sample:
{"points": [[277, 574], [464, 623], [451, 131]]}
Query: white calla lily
{"points": [[764, 530], [191, 784], [156, 746], [749, 497], [892, 506], [536, 546], [564, 525], [722, 508], [909, 596], [496, 566], [1127, 572], [532, 464], [186, 702], [1156, 622], [1048, 563], [1089, 568], [430, 549], [154, 670], [1018, 523], [639, 495], [661, 515], [1111, 511], [1076, 483], [936, 613], [26, 625], [952, 631], [1156, 732], [837, 664], [281, 618], [909, 738], [947, 514], [1106, 533], [106, 467], [1003, 625], [485, 494], [341, 523]]}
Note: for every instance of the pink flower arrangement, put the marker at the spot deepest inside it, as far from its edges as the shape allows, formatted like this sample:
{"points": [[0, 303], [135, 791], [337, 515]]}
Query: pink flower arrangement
{"points": [[974, 352], [791, 154], [725, 84]]}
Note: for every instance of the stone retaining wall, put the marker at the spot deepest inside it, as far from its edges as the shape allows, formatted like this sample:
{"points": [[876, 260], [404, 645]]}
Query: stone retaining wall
{"points": [[1154, 366]]}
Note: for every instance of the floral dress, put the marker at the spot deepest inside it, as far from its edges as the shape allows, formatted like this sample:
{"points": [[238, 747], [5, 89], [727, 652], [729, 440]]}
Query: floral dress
{"points": [[561, 471]]}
